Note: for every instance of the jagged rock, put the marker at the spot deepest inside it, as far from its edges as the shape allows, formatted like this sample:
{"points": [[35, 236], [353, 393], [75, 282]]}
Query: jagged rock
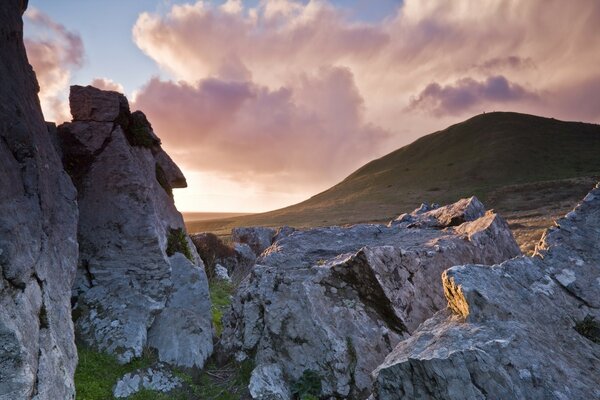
{"points": [[283, 232], [134, 288], [335, 301], [238, 259], [513, 331], [91, 104], [158, 379], [451, 215], [38, 228], [257, 237]]}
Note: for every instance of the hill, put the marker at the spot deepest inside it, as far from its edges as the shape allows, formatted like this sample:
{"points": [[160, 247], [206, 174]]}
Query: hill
{"points": [[529, 168]]}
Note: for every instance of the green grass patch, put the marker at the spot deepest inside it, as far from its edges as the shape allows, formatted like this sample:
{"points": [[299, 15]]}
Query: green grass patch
{"points": [[220, 297], [177, 243], [308, 387], [227, 382], [97, 373]]}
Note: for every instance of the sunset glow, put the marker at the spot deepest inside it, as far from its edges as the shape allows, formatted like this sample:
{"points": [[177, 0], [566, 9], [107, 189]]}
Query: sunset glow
{"points": [[266, 103]]}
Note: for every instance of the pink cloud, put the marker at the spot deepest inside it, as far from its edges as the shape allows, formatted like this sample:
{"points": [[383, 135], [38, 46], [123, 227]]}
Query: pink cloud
{"points": [[107, 84], [53, 52], [252, 100], [307, 133]]}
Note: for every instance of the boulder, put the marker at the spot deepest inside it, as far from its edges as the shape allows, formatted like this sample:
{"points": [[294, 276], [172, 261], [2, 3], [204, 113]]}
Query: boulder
{"points": [[140, 281], [524, 329], [451, 215], [38, 234], [257, 237], [323, 307], [158, 379]]}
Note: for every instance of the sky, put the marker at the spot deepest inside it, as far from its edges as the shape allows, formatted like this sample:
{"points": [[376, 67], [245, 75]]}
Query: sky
{"points": [[264, 103]]}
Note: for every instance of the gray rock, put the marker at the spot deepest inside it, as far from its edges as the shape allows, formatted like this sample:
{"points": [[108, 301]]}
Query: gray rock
{"points": [[131, 290], [245, 260], [38, 228], [221, 273], [91, 104], [158, 379], [335, 301], [181, 331], [257, 237], [510, 330], [451, 215]]}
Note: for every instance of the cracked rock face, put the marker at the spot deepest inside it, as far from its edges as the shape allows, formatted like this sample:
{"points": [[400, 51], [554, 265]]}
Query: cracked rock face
{"points": [[333, 302], [514, 330], [38, 243], [134, 286]]}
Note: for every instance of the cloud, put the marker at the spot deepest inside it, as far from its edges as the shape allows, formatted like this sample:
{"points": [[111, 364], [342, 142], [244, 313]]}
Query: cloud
{"points": [[107, 84], [467, 93], [54, 52], [293, 91], [308, 133]]}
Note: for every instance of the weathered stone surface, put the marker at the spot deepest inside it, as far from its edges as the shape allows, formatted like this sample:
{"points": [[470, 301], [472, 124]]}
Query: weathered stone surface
{"points": [[335, 301], [158, 379], [511, 330], [221, 273], [451, 215], [257, 237], [181, 331], [38, 246], [133, 287], [91, 104]]}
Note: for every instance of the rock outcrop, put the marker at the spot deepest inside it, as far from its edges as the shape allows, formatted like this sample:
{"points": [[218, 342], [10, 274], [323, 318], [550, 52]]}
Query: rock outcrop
{"points": [[140, 281], [38, 234], [157, 379], [323, 307], [257, 237], [524, 329]]}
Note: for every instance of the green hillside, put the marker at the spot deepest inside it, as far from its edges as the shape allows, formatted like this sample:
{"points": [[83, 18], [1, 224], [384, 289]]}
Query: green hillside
{"points": [[514, 162]]}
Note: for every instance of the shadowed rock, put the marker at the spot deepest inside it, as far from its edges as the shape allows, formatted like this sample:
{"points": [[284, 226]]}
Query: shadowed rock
{"points": [[331, 303], [523, 329], [135, 287], [38, 243]]}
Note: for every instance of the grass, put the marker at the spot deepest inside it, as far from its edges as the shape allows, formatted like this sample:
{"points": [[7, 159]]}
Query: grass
{"points": [[229, 382], [307, 387], [97, 373], [177, 243], [499, 157], [220, 297]]}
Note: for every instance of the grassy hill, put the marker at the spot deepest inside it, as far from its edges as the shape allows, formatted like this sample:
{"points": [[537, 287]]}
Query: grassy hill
{"points": [[529, 168]]}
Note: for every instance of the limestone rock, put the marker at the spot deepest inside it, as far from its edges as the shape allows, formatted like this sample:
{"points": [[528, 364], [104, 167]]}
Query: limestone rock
{"points": [[38, 228], [133, 284], [158, 379], [335, 301], [451, 215], [91, 104], [221, 273], [514, 330], [257, 237]]}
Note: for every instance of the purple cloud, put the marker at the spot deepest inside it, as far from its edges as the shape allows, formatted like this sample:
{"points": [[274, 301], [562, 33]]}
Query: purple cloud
{"points": [[466, 93]]}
